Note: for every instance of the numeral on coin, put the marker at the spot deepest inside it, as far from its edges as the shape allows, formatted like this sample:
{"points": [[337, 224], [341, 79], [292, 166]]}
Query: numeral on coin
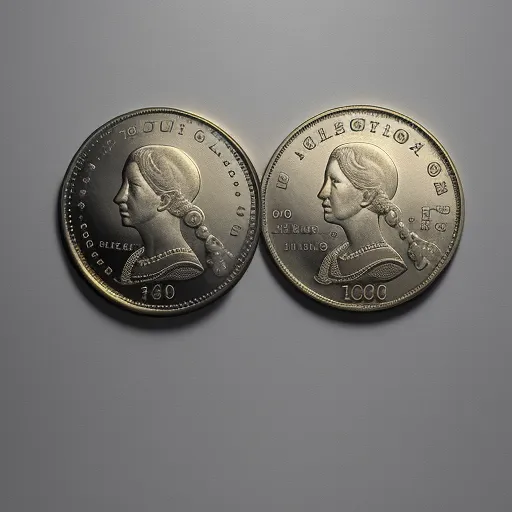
{"points": [[157, 292], [370, 292]]}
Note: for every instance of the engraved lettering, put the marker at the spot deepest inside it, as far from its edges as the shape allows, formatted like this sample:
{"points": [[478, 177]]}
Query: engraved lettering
{"points": [[288, 229], [148, 127], [387, 128], [282, 180], [323, 137], [434, 169], [374, 125], [401, 136], [338, 126], [368, 293], [131, 131], [108, 271], [357, 292], [231, 174], [199, 136], [441, 188], [425, 218], [89, 244], [416, 147], [169, 291], [182, 127], [309, 143], [214, 149], [287, 214], [156, 292], [166, 126], [300, 155], [382, 292], [303, 246], [441, 226], [235, 230], [240, 211], [357, 125]]}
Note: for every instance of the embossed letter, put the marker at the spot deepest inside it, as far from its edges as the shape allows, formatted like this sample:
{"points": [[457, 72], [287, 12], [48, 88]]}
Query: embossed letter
{"points": [[416, 147], [309, 143], [357, 125], [282, 180]]}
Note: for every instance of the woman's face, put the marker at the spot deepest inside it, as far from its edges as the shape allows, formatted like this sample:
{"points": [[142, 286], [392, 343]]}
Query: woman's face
{"points": [[137, 201], [340, 199]]}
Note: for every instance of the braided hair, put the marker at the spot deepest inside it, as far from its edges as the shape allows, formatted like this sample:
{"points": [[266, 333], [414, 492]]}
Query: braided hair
{"points": [[171, 173]]}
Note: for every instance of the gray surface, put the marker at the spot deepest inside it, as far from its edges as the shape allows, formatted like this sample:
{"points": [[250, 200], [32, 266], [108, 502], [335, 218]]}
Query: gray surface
{"points": [[264, 401]]}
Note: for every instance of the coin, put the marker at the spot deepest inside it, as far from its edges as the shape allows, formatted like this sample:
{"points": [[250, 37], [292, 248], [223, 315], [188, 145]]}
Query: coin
{"points": [[160, 211], [362, 208]]}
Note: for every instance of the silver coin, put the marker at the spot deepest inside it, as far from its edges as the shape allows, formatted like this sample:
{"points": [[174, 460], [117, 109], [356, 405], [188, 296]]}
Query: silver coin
{"points": [[362, 208], [160, 211]]}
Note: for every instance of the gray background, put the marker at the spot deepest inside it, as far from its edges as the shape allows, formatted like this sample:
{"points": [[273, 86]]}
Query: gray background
{"points": [[265, 400]]}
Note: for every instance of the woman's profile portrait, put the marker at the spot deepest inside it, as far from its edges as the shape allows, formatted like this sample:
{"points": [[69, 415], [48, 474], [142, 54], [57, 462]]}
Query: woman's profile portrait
{"points": [[360, 182], [159, 185]]}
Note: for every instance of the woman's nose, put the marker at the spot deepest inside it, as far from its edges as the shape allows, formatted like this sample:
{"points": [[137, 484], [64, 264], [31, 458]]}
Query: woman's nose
{"points": [[324, 191], [121, 195]]}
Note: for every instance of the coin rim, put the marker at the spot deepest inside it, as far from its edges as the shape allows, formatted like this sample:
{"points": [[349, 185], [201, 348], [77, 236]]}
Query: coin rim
{"points": [[101, 288], [418, 289]]}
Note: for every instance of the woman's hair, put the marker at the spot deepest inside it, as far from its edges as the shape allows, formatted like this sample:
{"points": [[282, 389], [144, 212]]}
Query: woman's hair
{"points": [[170, 172], [369, 168]]}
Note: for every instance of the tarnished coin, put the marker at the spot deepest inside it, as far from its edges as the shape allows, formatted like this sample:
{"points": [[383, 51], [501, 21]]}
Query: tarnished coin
{"points": [[362, 208], [160, 211]]}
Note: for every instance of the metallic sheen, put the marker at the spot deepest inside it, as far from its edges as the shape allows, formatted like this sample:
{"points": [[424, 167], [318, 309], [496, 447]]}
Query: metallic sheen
{"points": [[362, 208], [160, 210]]}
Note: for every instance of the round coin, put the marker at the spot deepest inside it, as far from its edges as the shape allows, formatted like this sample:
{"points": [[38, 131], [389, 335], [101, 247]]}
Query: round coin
{"points": [[160, 211], [362, 208]]}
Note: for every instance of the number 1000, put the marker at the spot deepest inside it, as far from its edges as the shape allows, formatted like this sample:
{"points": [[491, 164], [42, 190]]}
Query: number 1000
{"points": [[358, 293]]}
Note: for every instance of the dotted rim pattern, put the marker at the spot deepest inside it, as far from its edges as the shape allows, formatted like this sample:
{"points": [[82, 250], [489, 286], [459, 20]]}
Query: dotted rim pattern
{"points": [[451, 171], [242, 259]]}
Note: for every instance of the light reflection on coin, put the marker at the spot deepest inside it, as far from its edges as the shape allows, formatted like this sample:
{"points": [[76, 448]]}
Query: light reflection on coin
{"points": [[160, 211], [362, 208]]}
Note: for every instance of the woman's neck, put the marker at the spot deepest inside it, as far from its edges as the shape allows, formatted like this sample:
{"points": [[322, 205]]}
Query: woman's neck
{"points": [[362, 229], [161, 234]]}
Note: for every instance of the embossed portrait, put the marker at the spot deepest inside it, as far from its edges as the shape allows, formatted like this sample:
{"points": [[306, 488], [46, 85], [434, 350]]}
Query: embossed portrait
{"points": [[359, 185], [159, 186]]}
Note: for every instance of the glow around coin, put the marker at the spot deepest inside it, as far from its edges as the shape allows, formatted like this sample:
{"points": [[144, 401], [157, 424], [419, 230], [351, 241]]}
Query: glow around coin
{"points": [[362, 208], [160, 211]]}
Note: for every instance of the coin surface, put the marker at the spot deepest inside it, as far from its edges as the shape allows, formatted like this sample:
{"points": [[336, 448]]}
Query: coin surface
{"points": [[160, 210], [362, 208]]}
